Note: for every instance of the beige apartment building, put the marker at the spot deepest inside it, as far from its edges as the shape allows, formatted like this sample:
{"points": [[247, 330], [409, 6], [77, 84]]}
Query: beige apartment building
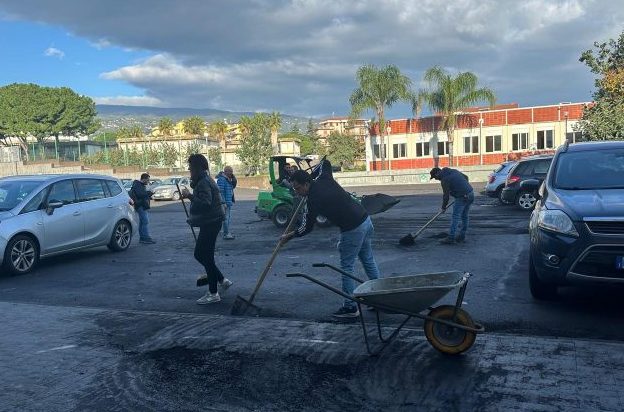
{"points": [[344, 125]]}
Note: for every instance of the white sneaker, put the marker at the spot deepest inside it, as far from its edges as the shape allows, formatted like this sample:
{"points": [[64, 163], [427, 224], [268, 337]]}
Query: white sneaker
{"points": [[209, 298], [229, 236], [223, 286]]}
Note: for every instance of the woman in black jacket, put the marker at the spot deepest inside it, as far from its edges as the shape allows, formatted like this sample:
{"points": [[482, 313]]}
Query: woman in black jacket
{"points": [[206, 212]]}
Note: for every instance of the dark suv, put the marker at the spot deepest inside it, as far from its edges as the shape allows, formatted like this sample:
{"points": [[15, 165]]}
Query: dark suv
{"points": [[577, 227], [524, 181]]}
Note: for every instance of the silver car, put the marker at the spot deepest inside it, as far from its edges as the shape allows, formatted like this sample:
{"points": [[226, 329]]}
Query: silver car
{"points": [[47, 215], [167, 189], [496, 181]]}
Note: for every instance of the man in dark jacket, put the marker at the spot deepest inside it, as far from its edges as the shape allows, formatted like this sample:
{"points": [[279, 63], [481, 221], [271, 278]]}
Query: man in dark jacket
{"points": [[141, 197], [455, 183], [326, 197]]}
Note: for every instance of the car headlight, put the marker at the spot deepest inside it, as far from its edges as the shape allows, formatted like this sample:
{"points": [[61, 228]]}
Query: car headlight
{"points": [[556, 221]]}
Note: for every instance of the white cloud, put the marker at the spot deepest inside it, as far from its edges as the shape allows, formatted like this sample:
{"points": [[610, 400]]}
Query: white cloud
{"points": [[129, 100], [301, 55], [101, 44], [54, 52]]}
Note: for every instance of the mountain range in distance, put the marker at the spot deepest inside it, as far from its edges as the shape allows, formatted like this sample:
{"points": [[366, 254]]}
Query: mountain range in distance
{"points": [[113, 117]]}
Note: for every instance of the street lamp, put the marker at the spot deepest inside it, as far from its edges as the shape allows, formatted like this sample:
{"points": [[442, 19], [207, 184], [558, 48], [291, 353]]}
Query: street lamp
{"points": [[565, 115], [481, 141], [388, 131]]}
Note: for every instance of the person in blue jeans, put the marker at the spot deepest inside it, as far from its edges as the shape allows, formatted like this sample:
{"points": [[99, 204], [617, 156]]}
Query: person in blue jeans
{"points": [[326, 197], [141, 198], [455, 183], [226, 181]]}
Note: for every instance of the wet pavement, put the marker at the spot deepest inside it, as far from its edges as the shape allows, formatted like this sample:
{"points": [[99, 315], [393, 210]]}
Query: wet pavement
{"points": [[101, 331]]}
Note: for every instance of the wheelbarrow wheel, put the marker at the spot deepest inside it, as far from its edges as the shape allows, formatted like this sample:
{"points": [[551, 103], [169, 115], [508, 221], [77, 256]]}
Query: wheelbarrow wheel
{"points": [[447, 339]]}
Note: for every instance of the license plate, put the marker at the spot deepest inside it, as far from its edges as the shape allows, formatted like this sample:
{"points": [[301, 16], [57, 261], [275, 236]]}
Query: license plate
{"points": [[619, 262]]}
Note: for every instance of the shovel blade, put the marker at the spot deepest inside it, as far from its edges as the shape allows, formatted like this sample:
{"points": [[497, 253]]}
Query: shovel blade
{"points": [[378, 203], [241, 306], [407, 240]]}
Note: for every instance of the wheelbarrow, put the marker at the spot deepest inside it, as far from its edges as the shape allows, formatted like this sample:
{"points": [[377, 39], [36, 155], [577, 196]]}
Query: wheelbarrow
{"points": [[448, 328]]}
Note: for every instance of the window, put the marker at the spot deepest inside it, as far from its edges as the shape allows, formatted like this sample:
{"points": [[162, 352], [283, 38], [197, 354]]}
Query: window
{"points": [[113, 187], [90, 189], [471, 144], [586, 170], [422, 149], [493, 144], [36, 202], [520, 141], [62, 191], [399, 150], [573, 137], [442, 148], [376, 151], [541, 167], [545, 139]]}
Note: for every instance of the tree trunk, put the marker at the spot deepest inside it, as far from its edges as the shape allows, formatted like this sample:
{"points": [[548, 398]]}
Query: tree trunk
{"points": [[450, 134]]}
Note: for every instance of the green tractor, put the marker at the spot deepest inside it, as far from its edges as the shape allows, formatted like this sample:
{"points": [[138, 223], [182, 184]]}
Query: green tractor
{"points": [[278, 204]]}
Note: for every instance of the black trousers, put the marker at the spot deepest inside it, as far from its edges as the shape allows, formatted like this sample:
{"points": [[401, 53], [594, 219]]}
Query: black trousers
{"points": [[204, 253]]}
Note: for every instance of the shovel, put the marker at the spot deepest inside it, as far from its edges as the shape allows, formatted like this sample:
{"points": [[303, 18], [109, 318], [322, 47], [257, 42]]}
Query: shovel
{"points": [[408, 239], [241, 305]]}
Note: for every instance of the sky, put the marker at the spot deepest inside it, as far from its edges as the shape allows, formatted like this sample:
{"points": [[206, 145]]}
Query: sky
{"points": [[299, 56]]}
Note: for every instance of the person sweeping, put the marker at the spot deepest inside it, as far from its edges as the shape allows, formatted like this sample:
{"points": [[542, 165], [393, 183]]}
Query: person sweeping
{"points": [[206, 212], [455, 183], [327, 198]]}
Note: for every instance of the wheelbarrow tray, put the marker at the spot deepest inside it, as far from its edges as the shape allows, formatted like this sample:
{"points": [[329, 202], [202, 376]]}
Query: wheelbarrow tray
{"points": [[408, 294]]}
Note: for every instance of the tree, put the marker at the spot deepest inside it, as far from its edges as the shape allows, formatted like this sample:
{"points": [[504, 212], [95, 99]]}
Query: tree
{"points": [[604, 120], [449, 95], [344, 149], [194, 126], [165, 126], [378, 89], [219, 130], [255, 143], [275, 123], [214, 154]]}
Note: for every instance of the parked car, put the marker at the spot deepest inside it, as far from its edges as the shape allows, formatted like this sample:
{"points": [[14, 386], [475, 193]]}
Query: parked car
{"points": [[524, 180], [497, 179], [577, 227], [167, 189], [46, 215]]}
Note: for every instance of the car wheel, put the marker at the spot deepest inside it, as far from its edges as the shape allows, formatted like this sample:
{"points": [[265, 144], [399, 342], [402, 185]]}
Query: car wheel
{"points": [[322, 221], [176, 196], [499, 195], [121, 237], [21, 255], [526, 200], [540, 290], [281, 216]]}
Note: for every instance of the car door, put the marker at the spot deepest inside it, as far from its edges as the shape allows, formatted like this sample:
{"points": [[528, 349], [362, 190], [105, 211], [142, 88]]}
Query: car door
{"points": [[98, 210], [540, 169], [63, 227]]}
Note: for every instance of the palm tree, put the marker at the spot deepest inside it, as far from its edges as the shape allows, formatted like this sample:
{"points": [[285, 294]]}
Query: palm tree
{"points": [[449, 95], [275, 123], [165, 126], [379, 88], [219, 129]]}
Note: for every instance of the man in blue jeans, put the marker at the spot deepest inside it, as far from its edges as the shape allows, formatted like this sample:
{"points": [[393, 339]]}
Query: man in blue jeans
{"points": [[141, 198], [455, 183], [326, 197], [226, 181]]}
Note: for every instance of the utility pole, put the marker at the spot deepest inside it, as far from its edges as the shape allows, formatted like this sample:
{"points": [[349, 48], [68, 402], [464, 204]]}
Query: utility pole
{"points": [[480, 141]]}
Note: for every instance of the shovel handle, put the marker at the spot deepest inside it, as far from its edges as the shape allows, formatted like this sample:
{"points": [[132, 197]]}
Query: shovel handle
{"points": [[185, 209], [430, 221], [274, 254]]}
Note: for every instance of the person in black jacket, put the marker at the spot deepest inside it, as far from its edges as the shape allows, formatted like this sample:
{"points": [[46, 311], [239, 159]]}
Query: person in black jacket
{"points": [[141, 198], [326, 197], [455, 183], [206, 212]]}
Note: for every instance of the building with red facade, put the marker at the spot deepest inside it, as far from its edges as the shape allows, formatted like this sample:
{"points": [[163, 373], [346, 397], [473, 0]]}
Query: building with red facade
{"points": [[482, 136]]}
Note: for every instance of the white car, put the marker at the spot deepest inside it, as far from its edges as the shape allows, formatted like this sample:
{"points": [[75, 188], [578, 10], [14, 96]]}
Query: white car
{"points": [[167, 189], [46, 215]]}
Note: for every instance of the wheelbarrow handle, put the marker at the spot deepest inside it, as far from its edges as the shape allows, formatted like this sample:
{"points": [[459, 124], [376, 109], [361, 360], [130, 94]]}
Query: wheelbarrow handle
{"points": [[327, 265], [321, 283]]}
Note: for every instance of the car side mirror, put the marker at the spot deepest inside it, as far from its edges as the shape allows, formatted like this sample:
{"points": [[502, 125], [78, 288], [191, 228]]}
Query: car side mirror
{"points": [[541, 191], [54, 204]]}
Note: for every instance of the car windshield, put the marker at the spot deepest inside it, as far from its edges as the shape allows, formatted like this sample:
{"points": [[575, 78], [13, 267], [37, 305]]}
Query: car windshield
{"points": [[13, 192], [170, 181], [600, 169]]}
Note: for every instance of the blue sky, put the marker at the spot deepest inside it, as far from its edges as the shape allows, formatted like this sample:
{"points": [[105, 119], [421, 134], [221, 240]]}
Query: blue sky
{"points": [[299, 56], [23, 48]]}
